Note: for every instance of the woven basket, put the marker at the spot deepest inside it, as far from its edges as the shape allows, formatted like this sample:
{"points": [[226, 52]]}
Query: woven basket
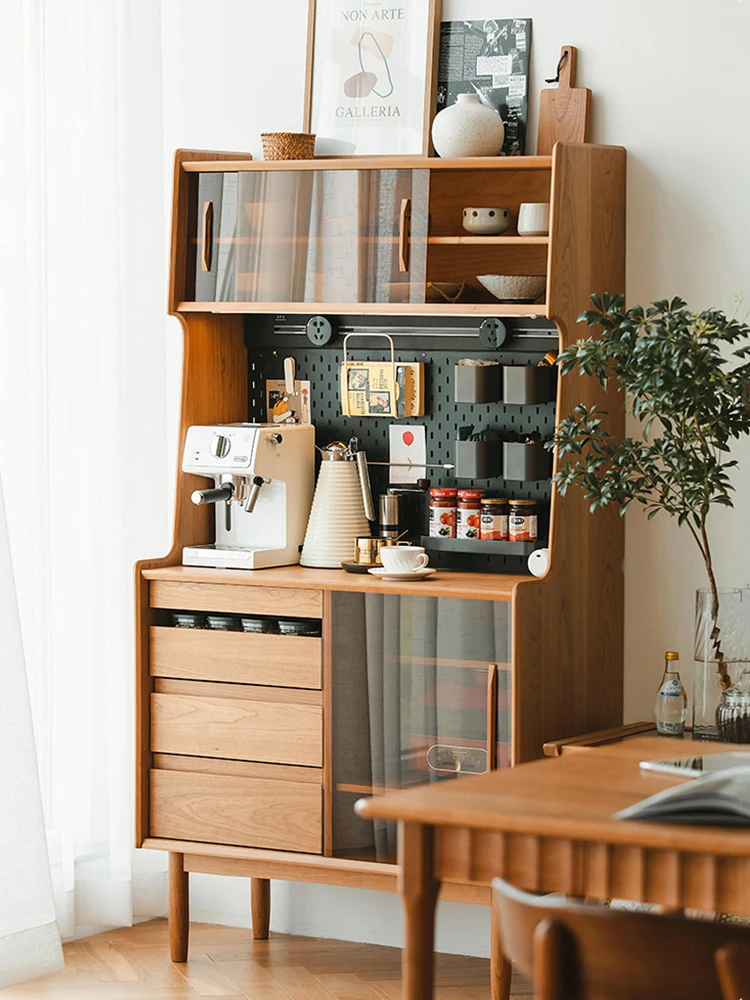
{"points": [[288, 145]]}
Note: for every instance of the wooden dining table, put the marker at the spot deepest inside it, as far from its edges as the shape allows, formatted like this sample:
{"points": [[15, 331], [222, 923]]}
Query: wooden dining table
{"points": [[547, 826]]}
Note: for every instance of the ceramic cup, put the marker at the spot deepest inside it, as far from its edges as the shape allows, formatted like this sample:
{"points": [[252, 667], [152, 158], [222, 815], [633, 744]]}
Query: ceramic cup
{"points": [[403, 558], [486, 221], [533, 218]]}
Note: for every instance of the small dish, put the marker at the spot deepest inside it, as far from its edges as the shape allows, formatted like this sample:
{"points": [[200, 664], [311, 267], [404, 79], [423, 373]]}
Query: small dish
{"points": [[419, 574], [355, 567], [514, 287], [486, 221]]}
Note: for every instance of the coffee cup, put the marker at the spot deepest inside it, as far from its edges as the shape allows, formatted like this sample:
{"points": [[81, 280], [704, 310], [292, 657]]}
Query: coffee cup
{"points": [[403, 558], [533, 218]]}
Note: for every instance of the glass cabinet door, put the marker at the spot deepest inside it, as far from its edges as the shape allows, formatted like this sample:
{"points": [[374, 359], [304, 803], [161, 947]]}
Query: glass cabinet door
{"points": [[282, 236], [415, 699]]}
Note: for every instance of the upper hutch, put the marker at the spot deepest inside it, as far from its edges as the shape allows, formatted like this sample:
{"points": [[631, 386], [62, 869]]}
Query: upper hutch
{"points": [[253, 748]]}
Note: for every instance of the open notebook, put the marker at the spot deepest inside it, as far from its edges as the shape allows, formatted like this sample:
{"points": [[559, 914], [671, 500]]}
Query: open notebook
{"points": [[718, 799]]}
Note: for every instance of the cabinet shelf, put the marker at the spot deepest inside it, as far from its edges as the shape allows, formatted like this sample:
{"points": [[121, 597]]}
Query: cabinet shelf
{"points": [[489, 309], [476, 241], [474, 547]]}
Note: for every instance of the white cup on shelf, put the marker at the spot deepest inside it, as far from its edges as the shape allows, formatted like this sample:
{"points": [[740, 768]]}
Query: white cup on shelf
{"points": [[533, 218], [403, 558]]}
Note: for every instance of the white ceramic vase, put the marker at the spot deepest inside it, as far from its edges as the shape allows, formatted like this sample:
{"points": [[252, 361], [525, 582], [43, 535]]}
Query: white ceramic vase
{"points": [[468, 128]]}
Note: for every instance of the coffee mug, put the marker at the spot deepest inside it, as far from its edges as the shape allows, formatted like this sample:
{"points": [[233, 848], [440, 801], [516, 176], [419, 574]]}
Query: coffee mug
{"points": [[403, 558], [533, 218]]}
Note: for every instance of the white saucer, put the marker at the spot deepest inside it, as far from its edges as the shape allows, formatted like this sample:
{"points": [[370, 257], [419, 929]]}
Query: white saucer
{"points": [[417, 574]]}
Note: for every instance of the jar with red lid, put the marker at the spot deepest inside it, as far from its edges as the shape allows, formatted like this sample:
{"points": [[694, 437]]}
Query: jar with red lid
{"points": [[443, 513], [469, 514], [494, 526]]}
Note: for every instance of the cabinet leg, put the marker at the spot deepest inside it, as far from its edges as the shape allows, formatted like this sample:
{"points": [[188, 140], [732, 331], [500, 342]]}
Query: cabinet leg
{"points": [[500, 967], [179, 908], [419, 891], [260, 907]]}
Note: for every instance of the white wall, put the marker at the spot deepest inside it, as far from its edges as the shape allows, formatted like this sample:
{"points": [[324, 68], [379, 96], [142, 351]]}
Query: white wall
{"points": [[670, 84]]}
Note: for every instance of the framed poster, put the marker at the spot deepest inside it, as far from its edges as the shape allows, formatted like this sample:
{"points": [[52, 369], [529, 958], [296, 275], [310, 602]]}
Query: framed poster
{"points": [[371, 68], [489, 58]]}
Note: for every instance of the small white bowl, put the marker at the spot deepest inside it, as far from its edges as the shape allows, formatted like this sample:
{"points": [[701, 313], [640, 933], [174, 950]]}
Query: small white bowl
{"points": [[514, 287], [486, 221]]}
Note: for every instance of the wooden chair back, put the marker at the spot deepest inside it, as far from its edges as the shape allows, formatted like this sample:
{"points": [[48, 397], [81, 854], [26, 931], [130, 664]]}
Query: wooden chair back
{"points": [[575, 951]]}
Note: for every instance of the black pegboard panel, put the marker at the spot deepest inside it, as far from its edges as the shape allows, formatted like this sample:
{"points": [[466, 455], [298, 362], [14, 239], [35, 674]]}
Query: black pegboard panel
{"points": [[443, 416]]}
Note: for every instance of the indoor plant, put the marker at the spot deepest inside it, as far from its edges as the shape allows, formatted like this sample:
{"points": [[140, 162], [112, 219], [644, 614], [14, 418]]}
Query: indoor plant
{"points": [[685, 377]]}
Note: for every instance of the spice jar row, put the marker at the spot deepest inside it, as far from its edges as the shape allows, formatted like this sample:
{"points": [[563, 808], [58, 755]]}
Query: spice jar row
{"points": [[469, 514]]}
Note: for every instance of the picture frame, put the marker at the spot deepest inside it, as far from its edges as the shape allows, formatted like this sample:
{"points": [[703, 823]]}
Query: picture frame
{"points": [[371, 76]]}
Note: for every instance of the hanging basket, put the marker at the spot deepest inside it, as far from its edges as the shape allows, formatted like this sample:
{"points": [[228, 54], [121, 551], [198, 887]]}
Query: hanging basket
{"points": [[288, 145]]}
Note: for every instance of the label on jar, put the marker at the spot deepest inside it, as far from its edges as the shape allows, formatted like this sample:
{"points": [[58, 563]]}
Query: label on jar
{"points": [[468, 523], [442, 522], [494, 528], [670, 728], [523, 528]]}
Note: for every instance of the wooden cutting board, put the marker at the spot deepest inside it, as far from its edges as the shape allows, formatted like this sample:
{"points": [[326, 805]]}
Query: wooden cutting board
{"points": [[564, 112]]}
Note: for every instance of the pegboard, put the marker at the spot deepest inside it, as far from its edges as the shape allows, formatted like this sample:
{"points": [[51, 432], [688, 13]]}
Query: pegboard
{"points": [[442, 419]]}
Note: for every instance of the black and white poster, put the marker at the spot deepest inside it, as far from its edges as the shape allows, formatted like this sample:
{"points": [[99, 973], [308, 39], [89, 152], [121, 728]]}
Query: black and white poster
{"points": [[489, 58]]}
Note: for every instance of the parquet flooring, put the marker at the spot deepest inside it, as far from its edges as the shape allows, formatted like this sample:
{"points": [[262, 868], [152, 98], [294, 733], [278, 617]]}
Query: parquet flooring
{"points": [[133, 964]]}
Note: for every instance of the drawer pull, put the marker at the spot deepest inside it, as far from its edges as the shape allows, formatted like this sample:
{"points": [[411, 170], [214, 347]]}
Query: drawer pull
{"points": [[207, 235]]}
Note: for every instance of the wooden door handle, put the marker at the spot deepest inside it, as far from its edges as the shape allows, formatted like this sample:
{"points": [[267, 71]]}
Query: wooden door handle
{"points": [[404, 230], [492, 717], [207, 235]]}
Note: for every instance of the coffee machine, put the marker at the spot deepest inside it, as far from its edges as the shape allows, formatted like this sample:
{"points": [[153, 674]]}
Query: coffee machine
{"points": [[263, 485]]}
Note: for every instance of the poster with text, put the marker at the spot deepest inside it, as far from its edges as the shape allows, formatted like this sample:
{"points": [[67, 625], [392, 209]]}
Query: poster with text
{"points": [[368, 76], [489, 58]]}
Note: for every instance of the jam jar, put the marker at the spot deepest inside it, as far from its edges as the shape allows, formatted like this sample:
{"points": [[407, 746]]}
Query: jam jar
{"points": [[469, 513], [443, 513], [522, 522], [494, 523]]}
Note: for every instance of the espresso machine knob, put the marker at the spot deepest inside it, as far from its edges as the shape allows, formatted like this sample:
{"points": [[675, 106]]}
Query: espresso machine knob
{"points": [[219, 447]]}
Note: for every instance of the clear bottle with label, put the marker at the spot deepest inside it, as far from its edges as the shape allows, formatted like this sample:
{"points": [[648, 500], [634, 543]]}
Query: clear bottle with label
{"points": [[670, 707]]}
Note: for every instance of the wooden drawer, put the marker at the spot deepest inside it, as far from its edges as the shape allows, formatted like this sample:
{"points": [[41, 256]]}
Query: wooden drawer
{"points": [[250, 600], [237, 722], [240, 657], [275, 813]]}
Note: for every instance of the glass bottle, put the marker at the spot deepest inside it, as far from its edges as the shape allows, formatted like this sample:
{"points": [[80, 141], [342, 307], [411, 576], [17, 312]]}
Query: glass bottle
{"points": [[670, 708]]}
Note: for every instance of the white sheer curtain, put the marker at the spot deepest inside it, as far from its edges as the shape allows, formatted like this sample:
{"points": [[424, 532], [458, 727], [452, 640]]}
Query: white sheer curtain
{"points": [[82, 425]]}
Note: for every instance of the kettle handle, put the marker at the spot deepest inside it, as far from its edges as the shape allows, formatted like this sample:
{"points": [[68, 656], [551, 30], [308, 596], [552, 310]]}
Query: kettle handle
{"points": [[363, 475]]}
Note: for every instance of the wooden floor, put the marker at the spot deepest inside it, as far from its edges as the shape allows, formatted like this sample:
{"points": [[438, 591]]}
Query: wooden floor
{"points": [[133, 964]]}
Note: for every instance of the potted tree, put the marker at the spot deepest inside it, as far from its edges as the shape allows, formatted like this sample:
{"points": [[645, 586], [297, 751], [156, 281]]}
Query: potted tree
{"points": [[685, 378]]}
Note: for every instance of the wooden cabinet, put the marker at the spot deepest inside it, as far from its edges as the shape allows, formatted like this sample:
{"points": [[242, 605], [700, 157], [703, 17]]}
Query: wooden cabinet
{"points": [[251, 749], [282, 236]]}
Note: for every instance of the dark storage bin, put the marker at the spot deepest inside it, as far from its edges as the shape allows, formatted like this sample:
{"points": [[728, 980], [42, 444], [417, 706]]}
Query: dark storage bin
{"points": [[478, 459], [526, 385], [476, 385], [526, 462]]}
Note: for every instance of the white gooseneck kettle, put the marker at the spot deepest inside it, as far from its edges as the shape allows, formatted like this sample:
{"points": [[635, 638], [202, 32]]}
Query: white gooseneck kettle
{"points": [[341, 508]]}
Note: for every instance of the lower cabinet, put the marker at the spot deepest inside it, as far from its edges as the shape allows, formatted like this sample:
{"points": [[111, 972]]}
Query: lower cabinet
{"points": [[275, 813]]}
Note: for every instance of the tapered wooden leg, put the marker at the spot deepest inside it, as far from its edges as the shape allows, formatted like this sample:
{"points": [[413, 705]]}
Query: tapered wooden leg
{"points": [[260, 906], [179, 908], [500, 967], [419, 891]]}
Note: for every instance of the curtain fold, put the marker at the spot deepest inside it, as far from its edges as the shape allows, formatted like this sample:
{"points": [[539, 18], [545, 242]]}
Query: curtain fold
{"points": [[82, 426]]}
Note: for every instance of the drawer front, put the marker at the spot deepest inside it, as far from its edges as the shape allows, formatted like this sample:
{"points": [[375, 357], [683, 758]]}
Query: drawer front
{"points": [[237, 728], [243, 812], [250, 600], [238, 657]]}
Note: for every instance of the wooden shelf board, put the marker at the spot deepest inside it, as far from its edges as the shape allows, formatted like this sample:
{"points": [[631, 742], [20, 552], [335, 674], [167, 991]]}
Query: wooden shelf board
{"points": [[445, 583], [366, 308], [475, 241], [373, 163], [453, 241]]}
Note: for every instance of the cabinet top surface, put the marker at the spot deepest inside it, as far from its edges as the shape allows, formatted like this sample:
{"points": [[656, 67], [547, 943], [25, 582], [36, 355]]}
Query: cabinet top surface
{"points": [[375, 163], [445, 583]]}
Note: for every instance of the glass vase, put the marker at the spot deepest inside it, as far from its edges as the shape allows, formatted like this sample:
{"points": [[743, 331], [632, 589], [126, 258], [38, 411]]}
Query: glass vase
{"points": [[727, 646]]}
